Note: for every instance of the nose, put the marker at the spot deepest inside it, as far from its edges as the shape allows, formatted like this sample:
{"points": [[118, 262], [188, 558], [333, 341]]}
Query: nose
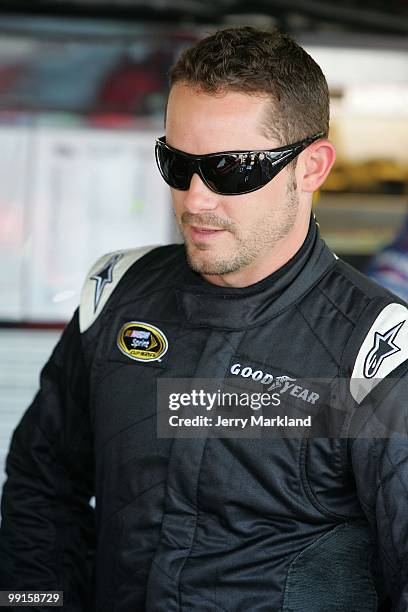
{"points": [[199, 197]]}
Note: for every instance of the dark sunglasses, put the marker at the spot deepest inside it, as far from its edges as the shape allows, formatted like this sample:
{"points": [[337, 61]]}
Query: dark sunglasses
{"points": [[227, 172]]}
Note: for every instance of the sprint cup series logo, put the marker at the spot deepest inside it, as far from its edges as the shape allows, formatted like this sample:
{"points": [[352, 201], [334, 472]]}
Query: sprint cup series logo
{"points": [[142, 341]]}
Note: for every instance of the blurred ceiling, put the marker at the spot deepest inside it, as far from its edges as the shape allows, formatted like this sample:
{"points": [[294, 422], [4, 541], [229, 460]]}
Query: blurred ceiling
{"points": [[359, 16]]}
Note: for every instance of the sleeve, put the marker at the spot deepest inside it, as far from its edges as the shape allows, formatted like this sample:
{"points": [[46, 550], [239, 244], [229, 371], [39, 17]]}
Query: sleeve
{"points": [[379, 453], [378, 443], [47, 534]]}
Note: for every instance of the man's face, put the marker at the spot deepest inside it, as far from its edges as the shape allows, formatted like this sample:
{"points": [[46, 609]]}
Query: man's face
{"points": [[225, 235]]}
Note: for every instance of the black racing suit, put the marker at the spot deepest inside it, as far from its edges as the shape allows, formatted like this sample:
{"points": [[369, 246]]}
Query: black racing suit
{"points": [[264, 524]]}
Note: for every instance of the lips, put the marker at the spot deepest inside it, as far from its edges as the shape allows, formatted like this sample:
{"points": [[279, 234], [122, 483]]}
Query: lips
{"points": [[203, 233]]}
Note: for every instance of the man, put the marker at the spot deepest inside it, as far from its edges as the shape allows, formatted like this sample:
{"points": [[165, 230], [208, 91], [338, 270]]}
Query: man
{"points": [[285, 523]]}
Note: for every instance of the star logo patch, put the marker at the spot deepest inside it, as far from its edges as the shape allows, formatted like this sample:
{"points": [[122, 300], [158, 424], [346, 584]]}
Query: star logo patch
{"points": [[104, 277], [384, 346]]}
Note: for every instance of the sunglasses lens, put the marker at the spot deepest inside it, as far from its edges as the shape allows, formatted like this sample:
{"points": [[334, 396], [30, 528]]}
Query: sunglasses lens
{"points": [[174, 168], [237, 174], [225, 173]]}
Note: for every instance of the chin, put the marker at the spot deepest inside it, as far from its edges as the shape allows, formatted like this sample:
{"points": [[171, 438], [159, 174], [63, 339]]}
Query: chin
{"points": [[211, 264], [201, 263]]}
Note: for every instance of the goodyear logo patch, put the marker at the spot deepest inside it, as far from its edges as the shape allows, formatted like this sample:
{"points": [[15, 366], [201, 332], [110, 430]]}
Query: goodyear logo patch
{"points": [[142, 341]]}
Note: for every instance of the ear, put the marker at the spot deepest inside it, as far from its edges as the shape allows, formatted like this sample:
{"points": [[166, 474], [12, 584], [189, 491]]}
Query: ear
{"points": [[318, 159]]}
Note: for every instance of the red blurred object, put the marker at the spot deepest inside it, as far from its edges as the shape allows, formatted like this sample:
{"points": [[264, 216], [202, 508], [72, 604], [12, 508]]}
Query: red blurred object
{"points": [[126, 88]]}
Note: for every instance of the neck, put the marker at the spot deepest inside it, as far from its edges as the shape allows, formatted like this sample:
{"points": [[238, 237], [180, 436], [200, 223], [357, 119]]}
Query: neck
{"points": [[267, 262]]}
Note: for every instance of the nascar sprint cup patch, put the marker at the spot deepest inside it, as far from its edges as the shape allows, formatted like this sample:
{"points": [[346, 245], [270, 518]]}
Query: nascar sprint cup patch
{"points": [[142, 341]]}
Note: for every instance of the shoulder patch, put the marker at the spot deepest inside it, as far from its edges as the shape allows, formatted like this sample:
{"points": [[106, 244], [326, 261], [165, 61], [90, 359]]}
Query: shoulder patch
{"points": [[102, 280], [385, 347]]}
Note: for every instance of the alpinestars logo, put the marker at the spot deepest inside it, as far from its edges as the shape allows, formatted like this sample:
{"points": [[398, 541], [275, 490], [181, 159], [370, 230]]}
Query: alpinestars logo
{"points": [[104, 277], [384, 346]]}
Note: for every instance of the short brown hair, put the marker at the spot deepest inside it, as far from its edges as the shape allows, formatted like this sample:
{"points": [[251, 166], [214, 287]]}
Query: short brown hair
{"points": [[250, 60]]}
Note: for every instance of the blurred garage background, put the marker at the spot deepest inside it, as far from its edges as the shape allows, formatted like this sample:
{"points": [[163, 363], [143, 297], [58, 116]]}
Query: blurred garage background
{"points": [[82, 91]]}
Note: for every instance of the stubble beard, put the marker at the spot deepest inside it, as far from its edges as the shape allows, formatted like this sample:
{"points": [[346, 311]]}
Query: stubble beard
{"points": [[259, 240]]}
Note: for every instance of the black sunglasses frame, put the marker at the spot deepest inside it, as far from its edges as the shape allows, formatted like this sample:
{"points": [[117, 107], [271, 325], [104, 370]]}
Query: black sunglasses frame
{"points": [[278, 158]]}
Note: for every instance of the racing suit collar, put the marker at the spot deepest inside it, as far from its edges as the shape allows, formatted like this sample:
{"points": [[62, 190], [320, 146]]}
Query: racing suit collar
{"points": [[204, 304]]}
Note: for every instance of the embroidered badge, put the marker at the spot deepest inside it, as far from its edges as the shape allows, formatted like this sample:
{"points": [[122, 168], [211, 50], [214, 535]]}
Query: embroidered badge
{"points": [[379, 355], [142, 341], [384, 347], [104, 277]]}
